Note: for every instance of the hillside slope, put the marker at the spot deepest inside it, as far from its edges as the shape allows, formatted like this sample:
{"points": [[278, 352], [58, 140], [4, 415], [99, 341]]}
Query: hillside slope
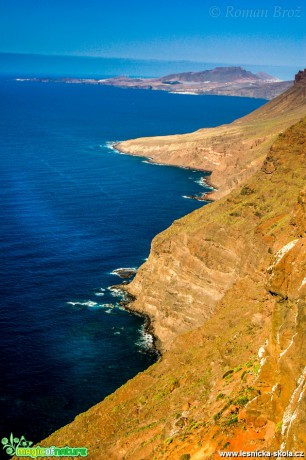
{"points": [[229, 81], [238, 381], [232, 152], [218, 74]]}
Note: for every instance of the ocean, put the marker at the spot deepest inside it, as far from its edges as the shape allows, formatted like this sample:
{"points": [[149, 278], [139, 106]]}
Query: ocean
{"points": [[72, 211]]}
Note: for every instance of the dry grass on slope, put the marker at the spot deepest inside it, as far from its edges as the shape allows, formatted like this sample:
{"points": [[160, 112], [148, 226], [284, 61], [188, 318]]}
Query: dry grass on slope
{"points": [[195, 400], [232, 152]]}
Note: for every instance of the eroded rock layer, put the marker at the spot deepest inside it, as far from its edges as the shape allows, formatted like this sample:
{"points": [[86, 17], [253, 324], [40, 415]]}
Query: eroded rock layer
{"points": [[232, 276], [232, 152]]}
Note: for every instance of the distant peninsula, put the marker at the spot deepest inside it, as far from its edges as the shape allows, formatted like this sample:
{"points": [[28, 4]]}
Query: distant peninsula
{"points": [[226, 81]]}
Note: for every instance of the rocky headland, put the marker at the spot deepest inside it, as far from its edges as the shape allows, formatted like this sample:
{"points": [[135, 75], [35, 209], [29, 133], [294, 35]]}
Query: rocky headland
{"points": [[233, 151], [227, 81]]}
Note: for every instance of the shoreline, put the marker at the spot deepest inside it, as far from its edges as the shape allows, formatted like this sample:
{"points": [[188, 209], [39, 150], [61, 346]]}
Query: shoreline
{"points": [[206, 196], [148, 329], [197, 367], [157, 346], [127, 303], [267, 90]]}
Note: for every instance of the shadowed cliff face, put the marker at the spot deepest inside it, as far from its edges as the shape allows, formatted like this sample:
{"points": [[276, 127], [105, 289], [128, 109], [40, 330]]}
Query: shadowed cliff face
{"points": [[232, 275], [232, 152]]}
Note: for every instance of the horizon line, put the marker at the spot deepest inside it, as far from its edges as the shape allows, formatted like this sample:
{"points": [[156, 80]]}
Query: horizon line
{"points": [[141, 59]]}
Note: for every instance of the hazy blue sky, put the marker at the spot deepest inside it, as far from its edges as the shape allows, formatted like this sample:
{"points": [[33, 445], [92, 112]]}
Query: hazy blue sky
{"points": [[259, 32]]}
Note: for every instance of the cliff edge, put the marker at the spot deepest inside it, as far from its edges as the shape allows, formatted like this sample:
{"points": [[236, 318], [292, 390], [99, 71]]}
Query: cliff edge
{"points": [[226, 288], [239, 380], [189, 270], [232, 152]]}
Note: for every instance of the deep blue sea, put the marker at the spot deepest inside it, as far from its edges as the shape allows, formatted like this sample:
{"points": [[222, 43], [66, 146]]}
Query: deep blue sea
{"points": [[73, 210]]}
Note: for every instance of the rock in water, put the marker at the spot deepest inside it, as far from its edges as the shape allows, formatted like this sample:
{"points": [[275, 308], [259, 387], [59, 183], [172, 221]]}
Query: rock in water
{"points": [[124, 273]]}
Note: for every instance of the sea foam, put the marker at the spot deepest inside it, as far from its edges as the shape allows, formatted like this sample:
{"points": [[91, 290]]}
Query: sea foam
{"points": [[146, 340], [88, 303], [111, 146]]}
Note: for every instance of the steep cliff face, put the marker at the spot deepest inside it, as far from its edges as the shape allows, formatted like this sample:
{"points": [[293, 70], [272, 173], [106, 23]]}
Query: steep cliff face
{"points": [[232, 275], [189, 271], [284, 357], [232, 152]]}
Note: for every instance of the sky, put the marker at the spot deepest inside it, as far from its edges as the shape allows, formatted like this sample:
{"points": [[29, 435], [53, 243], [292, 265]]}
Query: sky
{"points": [[233, 31]]}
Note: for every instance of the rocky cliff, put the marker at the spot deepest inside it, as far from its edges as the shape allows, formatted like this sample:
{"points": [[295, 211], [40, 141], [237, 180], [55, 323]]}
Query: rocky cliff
{"points": [[238, 380], [226, 289], [232, 152]]}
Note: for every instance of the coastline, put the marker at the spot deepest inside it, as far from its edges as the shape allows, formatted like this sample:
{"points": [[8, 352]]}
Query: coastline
{"points": [[258, 89], [156, 347], [217, 150], [230, 152], [126, 302], [171, 404], [206, 196]]}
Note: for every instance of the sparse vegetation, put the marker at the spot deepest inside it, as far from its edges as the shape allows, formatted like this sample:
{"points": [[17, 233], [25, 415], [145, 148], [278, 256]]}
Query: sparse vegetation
{"points": [[237, 369], [185, 457], [168, 441], [228, 373], [231, 420], [256, 368], [278, 426], [246, 190], [242, 400], [215, 342]]}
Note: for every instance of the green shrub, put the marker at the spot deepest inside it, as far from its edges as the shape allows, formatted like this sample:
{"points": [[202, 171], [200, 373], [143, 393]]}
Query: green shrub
{"points": [[242, 400], [278, 426], [231, 420], [228, 373], [246, 190]]}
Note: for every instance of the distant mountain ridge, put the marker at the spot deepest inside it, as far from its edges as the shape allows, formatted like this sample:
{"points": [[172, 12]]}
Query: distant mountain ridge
{"points": [[220, 149], [226, 81], [220, 75]]}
